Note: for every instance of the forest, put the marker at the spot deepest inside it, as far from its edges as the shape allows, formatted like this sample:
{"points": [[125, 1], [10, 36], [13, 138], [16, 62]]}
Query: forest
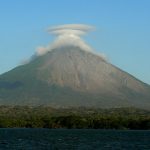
{"points": [[76, 118]]}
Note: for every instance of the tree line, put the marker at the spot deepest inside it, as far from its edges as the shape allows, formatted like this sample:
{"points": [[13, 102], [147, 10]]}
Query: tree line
{"points": [[77, 118]]}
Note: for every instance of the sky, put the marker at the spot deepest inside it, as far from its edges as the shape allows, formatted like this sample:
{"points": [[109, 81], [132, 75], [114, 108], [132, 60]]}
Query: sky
{"points": [[122, 30]]}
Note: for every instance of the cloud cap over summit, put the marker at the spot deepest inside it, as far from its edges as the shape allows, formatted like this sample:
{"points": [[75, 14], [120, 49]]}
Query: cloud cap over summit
{"points": [[67, 35], [78, 29]]}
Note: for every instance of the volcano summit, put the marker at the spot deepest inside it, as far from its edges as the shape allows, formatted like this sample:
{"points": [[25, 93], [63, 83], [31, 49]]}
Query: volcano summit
{"points": [[68, 74]]}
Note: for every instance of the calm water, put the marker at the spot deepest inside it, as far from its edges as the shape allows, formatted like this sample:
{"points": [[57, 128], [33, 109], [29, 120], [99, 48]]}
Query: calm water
{"points": [[72, 139]]}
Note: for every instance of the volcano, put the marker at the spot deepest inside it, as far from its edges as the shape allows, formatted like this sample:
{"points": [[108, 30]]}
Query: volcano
{"points": [[72, 77]]}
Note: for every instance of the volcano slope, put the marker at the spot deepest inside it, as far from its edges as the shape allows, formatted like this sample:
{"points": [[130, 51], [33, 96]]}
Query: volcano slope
{"points": [[72, 77]]}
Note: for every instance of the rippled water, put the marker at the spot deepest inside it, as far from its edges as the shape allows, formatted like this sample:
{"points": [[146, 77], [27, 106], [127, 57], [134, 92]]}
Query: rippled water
{"points": [[73, 139]]}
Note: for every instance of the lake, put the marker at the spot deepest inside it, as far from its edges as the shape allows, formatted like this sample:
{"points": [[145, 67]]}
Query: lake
{"points": [[73, 139]]}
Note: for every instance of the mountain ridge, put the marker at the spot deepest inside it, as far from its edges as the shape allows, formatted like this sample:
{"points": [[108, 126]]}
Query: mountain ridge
{"points": [[70, 76]]}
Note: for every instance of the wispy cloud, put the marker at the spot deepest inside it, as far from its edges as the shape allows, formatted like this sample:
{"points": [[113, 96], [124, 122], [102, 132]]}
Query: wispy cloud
{"points": [[68, 35]]}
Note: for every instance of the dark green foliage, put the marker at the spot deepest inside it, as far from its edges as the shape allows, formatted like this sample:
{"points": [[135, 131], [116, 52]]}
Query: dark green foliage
{"points": [[46, 117]]}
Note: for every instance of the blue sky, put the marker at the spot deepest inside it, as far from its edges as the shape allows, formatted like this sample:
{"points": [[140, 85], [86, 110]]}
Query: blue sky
{"points": [[122, 30]]}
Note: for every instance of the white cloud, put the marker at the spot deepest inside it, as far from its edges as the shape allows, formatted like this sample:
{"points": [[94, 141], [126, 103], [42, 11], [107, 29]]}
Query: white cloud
{"points": [[68, 35], [41, 50], [77, 27]]}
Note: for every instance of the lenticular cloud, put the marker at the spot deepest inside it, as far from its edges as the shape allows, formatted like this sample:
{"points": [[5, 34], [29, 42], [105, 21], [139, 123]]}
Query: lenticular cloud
{"points": [[67, 35]]}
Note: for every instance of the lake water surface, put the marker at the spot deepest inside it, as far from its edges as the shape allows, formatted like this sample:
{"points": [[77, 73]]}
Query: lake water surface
{"points": [[73, 139]]}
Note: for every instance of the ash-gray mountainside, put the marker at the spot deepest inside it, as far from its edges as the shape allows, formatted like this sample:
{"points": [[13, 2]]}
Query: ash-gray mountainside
{"points": [[71, 77]]}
